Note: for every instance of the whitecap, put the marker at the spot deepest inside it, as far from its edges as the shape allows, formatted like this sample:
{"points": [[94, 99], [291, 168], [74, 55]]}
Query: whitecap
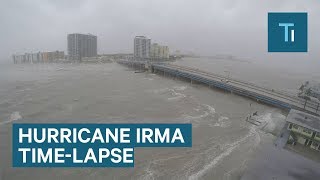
{"points": [[223, 122], [271, 122], [13, 117], [176, 95], [226, 152], [180, 88]]}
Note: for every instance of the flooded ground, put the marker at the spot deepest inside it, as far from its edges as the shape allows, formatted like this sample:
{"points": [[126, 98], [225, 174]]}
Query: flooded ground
{"points": [[224, 144]]}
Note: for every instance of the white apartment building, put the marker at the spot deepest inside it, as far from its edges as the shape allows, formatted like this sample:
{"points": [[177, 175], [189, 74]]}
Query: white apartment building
{"points": [[142, 47]]}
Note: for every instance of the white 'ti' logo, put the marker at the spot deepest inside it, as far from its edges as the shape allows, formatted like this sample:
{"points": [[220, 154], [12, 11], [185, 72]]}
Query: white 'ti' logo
{"points": [[286, 31]]}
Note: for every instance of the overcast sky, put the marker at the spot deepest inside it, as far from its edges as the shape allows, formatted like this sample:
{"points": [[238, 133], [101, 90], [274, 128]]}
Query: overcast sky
{"points": [[208, 27]]}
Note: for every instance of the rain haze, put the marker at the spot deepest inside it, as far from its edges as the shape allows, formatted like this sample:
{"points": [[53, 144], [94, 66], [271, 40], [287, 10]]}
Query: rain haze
{"points": [[205, 27]]}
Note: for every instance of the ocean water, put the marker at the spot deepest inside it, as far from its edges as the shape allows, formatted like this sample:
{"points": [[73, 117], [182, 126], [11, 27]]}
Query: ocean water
{"points": [[223, 142]]}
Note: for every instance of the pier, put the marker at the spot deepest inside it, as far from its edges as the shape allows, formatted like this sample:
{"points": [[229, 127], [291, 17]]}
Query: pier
{"points": [[271, 97]]}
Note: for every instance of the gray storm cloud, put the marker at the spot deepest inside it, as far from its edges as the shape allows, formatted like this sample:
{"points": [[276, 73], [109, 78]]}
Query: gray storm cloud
{"points": [[205, 27]]}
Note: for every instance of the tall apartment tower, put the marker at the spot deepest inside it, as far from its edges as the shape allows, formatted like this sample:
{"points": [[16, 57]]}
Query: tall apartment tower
{"points": [[142, 47], [81, 45]]}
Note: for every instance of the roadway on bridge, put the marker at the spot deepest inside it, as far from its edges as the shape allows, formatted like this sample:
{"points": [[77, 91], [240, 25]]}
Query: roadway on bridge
{"points": [[294, 101]]}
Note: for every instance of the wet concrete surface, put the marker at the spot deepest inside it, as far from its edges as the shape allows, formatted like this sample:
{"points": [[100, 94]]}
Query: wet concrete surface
{"points": [[274, 163], [283, 137]]}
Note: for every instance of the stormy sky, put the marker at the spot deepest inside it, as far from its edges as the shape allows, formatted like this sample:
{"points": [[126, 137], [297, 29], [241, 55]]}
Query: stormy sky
{"points": [[206, 27]]}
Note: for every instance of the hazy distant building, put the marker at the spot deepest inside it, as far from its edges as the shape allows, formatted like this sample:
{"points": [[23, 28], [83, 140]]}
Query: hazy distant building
{"points": [[54, 55], [159, 52], [81, 45], [39, 57], [142, 47]]}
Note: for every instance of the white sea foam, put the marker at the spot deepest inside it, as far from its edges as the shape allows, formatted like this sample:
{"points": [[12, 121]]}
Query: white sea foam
{"points": [[160, 91], [13, 117], [210, 109], [230, 148], [168, 90], [174, 92], [207, 111], [205, 114], [149, 173], [176, 95], [150, 79], [180, 88], [223, 122], [272, 121], [202, 111]]}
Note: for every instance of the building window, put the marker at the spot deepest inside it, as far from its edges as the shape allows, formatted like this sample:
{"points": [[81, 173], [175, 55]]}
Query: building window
{"points": [[315, 144], [295, 126], [305, 130]]}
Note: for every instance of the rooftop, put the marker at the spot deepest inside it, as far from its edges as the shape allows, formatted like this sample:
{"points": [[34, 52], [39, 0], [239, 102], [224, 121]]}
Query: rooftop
{"points": [[83, 34], [141, 37], [303, 119]]}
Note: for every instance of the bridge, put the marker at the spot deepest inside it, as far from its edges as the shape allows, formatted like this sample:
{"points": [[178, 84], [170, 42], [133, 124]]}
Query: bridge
{"points": [[265, 95]]}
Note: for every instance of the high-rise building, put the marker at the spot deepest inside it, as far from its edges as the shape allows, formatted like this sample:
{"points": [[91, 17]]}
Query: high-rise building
{"points": [[159, 52], [81, 45], [142, 47]]}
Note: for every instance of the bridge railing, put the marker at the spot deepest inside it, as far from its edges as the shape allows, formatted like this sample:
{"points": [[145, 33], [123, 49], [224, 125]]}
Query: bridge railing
{"points": [[302, 105], [310, 103], [241, 81]]}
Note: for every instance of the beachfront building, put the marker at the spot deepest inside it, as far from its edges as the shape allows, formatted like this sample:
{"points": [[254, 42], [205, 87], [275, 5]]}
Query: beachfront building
{"points": [[81, 46], [39, 57], [159, 52], [304, 129], [141, 47]]}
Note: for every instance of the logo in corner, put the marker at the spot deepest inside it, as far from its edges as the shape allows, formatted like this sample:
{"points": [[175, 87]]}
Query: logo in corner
{"points": [[287, 32]]}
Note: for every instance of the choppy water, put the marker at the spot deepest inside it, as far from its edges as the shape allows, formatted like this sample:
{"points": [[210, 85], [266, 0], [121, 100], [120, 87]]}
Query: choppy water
{"points": [[223, 142]]}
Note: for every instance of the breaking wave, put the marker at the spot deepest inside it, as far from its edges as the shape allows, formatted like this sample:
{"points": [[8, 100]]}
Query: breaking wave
{"points": [[226, 152], [180, 88], [273, 122], [202, 111], [150, 79], [175, 92], [13, 117], [223, 122], [176, 95]]}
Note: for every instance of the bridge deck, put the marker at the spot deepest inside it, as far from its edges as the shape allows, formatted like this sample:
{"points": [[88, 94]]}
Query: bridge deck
{"points": [[269, 96], [263, 94]]}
